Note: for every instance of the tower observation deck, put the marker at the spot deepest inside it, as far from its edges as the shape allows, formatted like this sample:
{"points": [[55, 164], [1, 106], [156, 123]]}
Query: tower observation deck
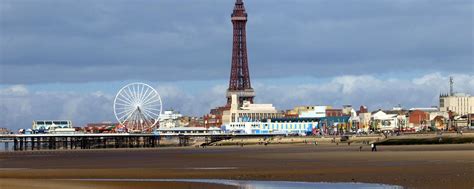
{"points": [[239, 83]]}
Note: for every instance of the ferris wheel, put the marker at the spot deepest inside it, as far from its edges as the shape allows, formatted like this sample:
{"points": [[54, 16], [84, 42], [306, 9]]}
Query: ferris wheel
{"points": [[138, 106]]}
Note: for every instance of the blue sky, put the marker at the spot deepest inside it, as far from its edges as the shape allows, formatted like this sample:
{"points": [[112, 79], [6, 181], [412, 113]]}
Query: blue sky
{"points": [[65, 59]]}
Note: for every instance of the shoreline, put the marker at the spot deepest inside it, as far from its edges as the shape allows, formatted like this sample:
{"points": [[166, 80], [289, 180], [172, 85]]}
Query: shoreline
{"points": [[420, 166]]}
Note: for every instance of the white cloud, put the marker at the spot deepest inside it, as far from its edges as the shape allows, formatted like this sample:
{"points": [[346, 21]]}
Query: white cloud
{"points": [[14, 90], [19, 106], [366, 90]]}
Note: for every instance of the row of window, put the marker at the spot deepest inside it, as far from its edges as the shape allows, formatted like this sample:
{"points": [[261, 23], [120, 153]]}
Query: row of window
{"points": [[253, 116], [51, 122], [462, 110], [277, 126]]}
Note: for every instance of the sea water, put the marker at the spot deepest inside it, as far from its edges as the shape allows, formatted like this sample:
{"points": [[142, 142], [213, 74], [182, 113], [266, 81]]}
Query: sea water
{"points": [[254, 184], [6, 146]]}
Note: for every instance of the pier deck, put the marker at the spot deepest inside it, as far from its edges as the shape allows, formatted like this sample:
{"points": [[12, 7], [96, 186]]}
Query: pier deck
{"points": [[23, 142]]}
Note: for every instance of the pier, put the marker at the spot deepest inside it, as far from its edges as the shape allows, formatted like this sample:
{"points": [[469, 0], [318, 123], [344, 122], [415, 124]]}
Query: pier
{"points": [[23, 142]]}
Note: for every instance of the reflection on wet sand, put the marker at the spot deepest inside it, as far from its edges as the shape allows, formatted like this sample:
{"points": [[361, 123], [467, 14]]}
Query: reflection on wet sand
{"points": [[253, 184]]}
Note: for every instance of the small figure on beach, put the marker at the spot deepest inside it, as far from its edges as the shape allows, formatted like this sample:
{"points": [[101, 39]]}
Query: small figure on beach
{"points": [[374, 147], [360, 148]]}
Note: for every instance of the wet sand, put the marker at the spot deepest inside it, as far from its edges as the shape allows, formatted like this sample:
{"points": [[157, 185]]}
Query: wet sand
{"points": [[41, 183], [413, 166]]}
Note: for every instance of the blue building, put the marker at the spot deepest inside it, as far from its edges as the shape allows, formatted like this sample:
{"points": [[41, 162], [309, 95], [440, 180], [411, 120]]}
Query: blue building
{"points": [[299, 126]]}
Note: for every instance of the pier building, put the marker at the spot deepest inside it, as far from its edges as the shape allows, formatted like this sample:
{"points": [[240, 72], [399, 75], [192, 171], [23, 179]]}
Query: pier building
{"points": [[52, 126]]}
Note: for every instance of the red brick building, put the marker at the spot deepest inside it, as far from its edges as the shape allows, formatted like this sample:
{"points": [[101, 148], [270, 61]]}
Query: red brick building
{"points": [[418, 118], [214, 118], [334, 112]]}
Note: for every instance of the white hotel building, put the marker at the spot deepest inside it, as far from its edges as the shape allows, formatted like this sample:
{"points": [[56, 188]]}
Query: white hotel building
{"points": [[459, 103], [263, 119]]}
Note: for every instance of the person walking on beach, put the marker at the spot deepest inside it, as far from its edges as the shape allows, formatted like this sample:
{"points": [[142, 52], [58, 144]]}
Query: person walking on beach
{"points": [[374, 147]]}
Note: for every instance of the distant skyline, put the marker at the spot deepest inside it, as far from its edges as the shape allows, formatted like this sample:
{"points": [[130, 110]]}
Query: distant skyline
{"points": [[67, 59]]}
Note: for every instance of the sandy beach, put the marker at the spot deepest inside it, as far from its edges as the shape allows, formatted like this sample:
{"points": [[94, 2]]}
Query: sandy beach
{"points": [[410, 166]]}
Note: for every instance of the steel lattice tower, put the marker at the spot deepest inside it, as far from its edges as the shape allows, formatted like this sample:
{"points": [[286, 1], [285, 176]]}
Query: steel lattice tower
{"points": [[239, 83]]}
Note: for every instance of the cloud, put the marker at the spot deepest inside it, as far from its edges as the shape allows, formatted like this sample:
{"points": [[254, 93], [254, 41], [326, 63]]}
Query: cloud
{"points": [[19, 106], [374, 92], [196, 104], [14, 90], [69, 41]]}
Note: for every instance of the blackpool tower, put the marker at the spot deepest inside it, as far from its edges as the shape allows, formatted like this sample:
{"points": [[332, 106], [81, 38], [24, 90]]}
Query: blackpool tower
{"points": [[239, 83]]}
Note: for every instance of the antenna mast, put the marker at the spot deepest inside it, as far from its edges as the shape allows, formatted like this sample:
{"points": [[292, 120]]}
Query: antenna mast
{"points": [[451, 83]]}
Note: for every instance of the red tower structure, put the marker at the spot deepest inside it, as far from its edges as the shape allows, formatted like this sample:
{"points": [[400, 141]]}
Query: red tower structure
{"points": [[239, 83]]}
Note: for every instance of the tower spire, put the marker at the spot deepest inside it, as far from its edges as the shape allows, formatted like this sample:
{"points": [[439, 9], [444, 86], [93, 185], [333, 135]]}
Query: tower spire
{"points": [[239, 83]]}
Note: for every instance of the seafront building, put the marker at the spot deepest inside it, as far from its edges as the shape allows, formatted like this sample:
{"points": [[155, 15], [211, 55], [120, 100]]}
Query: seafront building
{"points": [[385, 122], [248, 112], [52, 126], [315, 112], [364, 119], [188, 130], [298, 126], [459, 103], [247, 116], [307, 111], [104, 127], [170, 119], [4, 131], [418, 119]]}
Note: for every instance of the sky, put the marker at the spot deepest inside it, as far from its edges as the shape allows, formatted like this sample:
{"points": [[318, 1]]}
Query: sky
{"points": [[66, 59]]}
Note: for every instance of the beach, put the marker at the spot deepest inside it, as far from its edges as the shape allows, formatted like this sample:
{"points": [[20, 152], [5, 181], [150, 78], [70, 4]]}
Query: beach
{"points": [[410, 166]]}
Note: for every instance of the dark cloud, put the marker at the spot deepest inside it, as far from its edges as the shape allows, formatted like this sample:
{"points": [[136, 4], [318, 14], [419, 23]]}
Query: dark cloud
{"points": [[378, 53], [81, 41]]}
